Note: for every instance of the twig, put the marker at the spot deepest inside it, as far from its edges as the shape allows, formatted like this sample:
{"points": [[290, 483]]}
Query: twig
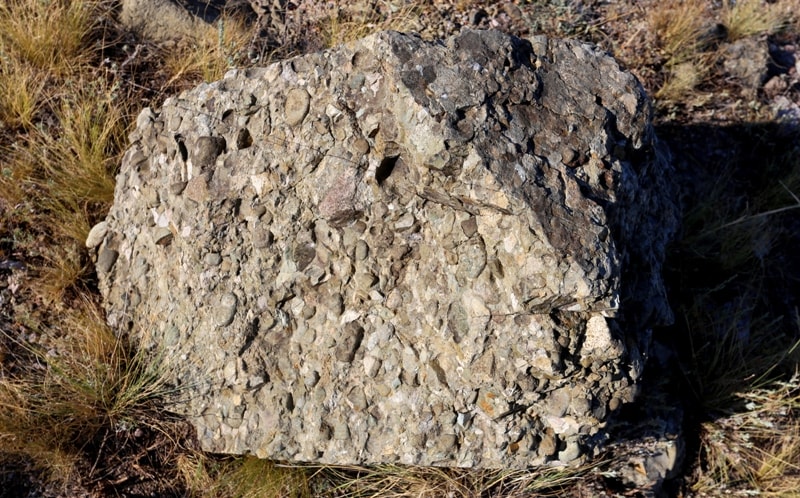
{"points": [[790, 192], [742, 219]]}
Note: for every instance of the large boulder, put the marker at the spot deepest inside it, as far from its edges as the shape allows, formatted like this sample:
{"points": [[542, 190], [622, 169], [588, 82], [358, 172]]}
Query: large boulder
{"points": [[399, 251]]}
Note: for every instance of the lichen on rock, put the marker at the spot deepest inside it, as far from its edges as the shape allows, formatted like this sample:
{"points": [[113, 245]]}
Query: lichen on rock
{"points": [[433, 253]]}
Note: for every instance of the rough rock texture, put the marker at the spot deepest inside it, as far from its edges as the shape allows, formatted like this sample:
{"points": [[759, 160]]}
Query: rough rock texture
{"points": [[746, 63], [397, 251], [162, 20]]}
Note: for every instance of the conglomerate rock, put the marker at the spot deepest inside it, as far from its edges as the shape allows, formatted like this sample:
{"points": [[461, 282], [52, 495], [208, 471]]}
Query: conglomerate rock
{"points": [[397, 251]]}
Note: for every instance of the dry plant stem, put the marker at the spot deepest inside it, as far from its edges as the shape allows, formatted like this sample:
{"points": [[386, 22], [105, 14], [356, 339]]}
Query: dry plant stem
{"points": [[753, 217]]}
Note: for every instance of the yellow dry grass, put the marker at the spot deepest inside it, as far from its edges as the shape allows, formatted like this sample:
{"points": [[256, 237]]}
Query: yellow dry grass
{"points": [[210, 55], [679, 27], [245, 477], [745, 18], [686, 36], [682, 79], [21, 91], [50, 35], [58, 179], [756, 451], [87, 382], [346, 22]]}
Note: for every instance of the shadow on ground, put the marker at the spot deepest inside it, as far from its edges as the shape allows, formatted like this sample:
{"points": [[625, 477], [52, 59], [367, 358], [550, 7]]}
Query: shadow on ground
{"points": [[733, 280]]}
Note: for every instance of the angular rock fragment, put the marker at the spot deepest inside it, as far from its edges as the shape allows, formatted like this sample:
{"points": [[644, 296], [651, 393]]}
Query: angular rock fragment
{"points": [[398, 251]]}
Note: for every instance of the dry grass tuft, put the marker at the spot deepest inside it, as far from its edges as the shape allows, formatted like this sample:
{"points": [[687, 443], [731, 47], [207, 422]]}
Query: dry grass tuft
{"points": [[680, 31], [66, 382], [679, 27], [58, 179], [745, 18], [681, 79], [51, 35], [756, 451], [398, 481], [736, 351], [87, 382], [351, 21], [245, 477], [21, 92], [208, 57]]}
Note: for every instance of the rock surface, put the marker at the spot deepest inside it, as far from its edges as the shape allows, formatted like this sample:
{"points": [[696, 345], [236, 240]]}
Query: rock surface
{"points": [[166, 20], [746, 63], [397, 251]]}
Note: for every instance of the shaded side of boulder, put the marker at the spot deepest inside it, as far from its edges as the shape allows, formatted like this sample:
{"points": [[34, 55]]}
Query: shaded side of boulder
{"points": [[402, 251]]}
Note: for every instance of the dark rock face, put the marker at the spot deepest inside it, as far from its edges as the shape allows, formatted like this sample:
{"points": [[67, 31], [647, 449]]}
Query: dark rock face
{"points": [[397, 251]]}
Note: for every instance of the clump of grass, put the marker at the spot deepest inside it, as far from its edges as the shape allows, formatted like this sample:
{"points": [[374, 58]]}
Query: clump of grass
{"points": [[756, 451], [352, 21], [736, 352], [680, 30], [21, 92], [87, 382], [65, 127], [681, 79], [51, 35], [431, 482], [65, 122], [401, 481], [252, 477], [210, 55], [58, 180], [743, 18], [242, 477]]}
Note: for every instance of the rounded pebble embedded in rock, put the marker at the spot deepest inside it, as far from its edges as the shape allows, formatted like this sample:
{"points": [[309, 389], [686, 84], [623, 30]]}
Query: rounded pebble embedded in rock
{"points": [[340, 431], [96, 235], [297, 103], [549, 444], [171, 336], [226, 309], [362, 250], [471, 259], [206, 150], [163, 236], [212, 259], [349, 342], [570, 452], [106, 260]]}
